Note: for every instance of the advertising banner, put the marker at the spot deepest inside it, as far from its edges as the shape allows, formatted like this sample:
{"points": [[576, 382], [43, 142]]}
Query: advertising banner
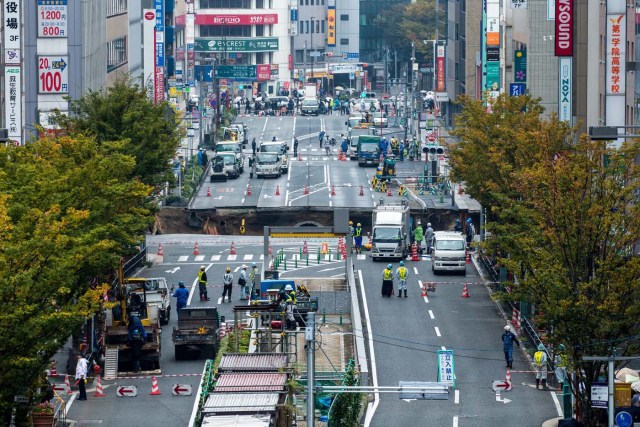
{"points": [[440, 69], [12, 37], [520, 65], [255, 44], [493, 76], [493, 23], [263, 72], [148, 60], [53, 74], [616, 54], [52, 18], [564, 28], [331, 21], [565, 85], [253, 19], [13, 102]]}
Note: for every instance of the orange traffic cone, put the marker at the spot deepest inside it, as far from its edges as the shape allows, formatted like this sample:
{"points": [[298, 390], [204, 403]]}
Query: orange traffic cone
{"points": [[465, 291], [299, 157], [196, 249], [508, 375], [361, 191], [208, 191], [68, 385], [333, 190], [277, 190], [160, 250], [306, 190], [99, 392], [468, 258], [232, 251], [424, 290], [155, 389], [249, 190], [305, 248], [54, 370]]}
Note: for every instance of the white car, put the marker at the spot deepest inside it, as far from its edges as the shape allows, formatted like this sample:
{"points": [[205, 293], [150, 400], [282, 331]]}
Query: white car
{"points": [[379, 119], [278, 147]]}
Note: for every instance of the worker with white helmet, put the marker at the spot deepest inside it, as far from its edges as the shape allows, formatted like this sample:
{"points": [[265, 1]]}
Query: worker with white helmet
{"points": [[428, 237], [252, 277], [508, 338], [227, 283]]}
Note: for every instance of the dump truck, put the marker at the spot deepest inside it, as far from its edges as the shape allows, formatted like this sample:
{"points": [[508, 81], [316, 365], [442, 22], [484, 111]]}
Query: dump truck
{"points": [[198, 328], [391, 234], [368, 150]]}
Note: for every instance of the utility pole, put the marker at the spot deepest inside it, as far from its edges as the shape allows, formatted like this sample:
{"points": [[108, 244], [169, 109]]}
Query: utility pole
{"points": [[313, 57], [304, 74], [310, 336]]}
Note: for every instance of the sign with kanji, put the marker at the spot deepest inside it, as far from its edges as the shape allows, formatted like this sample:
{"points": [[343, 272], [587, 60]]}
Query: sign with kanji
{"points": [[446, 367], [616, 54], [520, 65], [52, 18], [256, 44], [518, 4]]}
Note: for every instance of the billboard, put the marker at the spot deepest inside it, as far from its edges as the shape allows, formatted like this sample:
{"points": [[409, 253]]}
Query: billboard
{"points": [[564, 28], [440, 71], [616, 54], [13, 102], [53, 74], [52, 18], [252, 19], [255, 44], [331, 32], [148, 60], [158, 83], [565, 89], [263, 72]]}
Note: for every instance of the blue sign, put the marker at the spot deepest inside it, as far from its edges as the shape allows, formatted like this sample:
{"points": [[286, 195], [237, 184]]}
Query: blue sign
{"points": [[352, 76], [159, 37], [517, 89], [624, 419], [353, 55], [204, 73], [294, 15]]}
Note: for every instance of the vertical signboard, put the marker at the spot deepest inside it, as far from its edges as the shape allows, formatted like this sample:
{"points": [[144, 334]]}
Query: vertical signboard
{"points": [[446, 367], [493, 23], [158, 93], [52, 18], [440, 70], [293, 21], [148, 60], [564, 89], [616, 57], [190, 39], [13, 72], [331, 32], [564, 28], [520, 65]]}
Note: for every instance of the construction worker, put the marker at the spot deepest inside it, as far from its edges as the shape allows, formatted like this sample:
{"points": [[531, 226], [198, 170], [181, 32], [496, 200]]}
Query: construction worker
{"points": [[136, 343], [357, 235], [182, 295], [540, 365], [244, 286], [252, 277], [227, 283], [402, 274], [394, 146], [508, 338], [289, 308], [470, 232], [202, 283], [560, 360], [351, 231], [387, 281], [291, 293], [428, 237], [418, 235]]}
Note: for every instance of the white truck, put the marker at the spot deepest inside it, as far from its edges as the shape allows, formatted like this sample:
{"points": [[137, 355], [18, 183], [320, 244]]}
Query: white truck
{"points": [[310, 91], [391, 231]]}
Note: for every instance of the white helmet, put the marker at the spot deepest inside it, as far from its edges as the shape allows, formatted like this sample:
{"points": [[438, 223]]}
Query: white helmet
{"points": [[428, 224], [288, 288], [507, 328]]}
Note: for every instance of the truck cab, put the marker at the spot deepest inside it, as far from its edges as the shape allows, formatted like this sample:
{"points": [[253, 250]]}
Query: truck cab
{"points": [[449, 252], [368, 150], [391, 234]]}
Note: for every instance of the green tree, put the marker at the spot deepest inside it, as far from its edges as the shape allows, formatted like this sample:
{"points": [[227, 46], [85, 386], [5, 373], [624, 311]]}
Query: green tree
{"points": [[565, 221], [122, 112], [68, 211]]}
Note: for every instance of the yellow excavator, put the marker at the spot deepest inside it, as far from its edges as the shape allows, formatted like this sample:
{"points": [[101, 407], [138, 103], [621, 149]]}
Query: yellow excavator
{"points": [[131, 309]]}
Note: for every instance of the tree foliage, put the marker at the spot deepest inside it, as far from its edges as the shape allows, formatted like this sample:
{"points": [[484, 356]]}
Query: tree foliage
{"points": [[68, 211], [122, 112], [565, 221]]}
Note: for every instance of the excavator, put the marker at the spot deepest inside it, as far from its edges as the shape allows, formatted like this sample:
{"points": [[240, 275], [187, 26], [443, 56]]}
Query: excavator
{"points": [[131, 306]]}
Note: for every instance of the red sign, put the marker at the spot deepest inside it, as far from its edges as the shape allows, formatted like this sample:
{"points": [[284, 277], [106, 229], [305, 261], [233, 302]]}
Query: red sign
{"points": [[431, 137], [564, 28], [149, 16], [266, 19], [290, 62], [158, 93], [440, 76], [263, 72]]}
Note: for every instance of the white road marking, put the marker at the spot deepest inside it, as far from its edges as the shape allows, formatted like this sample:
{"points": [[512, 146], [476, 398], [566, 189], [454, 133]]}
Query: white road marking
{"points": [[437, 331], [261, 257], [361, 256], [199, 258], [456, 398], [183, 258], [330, 203], [264, 128], [443, 348], [242, 201], [232, 257], [426, 300], [236, 270], [415, 270], [215, 258], [248, 257], [220, 300], [455, 421], [431, 315], [557, 403], [193, 286], [286, 194], [330, 269], [372, 355], [338, 275]]}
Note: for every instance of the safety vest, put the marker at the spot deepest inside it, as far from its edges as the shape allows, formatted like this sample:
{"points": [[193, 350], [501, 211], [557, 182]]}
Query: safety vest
{"points": [[539, 357], [252, 274], [358, 231], [402, 272], [200, 277], [387, 274]]}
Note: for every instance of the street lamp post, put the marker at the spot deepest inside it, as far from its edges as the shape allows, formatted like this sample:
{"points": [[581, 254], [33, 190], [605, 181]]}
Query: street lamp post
{"points": [[313, 58]]}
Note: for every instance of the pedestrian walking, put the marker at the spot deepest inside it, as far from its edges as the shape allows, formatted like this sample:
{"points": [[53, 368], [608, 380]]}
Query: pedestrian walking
{"points": [[508, 338], [344, 145], [402, 274], [202, 283], [357, 234], [182, 295], [227, 283], [244, 285], [540, 365], [470, 232], [252, 277], [418, 235], [428, 238], [387, 281], [321, 137], [295, 147], [81, 376], [253, 146]]}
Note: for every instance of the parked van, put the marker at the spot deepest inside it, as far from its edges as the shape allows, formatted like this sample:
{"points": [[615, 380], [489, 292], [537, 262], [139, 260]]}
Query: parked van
{"points": [[449, 252]]}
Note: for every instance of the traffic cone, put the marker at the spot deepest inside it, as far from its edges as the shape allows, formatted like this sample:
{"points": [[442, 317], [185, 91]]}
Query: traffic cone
{"points": [[333, 190], [389, 193], [361, 191], [414, 252], [277, 190], [208, 191], [54, 370], [468, 258], [305, 248], [508, 375], [67, 384], [465, 291], [306, 190], [232, 251], [160, 250], [196, 249], [99, 392], [424, 290], [155, 389], [460, 190], [299, 157], [249, 193]]}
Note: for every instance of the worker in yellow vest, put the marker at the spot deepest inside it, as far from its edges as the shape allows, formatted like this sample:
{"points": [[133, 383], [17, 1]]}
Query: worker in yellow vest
{"points": [[402, 274], [387, 281], [540, 365], [357, 234]]}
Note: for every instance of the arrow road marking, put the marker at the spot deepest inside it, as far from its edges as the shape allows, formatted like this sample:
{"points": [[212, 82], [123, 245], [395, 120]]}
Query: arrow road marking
{"points": [[173, 270], [503, 400]]}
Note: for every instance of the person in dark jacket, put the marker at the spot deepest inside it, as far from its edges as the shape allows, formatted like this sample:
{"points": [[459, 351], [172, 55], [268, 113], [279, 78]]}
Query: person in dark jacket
{"points": [[136, 343], [508, 338], [182, 295]]}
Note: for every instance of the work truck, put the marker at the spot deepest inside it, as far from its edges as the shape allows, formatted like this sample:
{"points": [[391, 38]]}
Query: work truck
{"points": [[391, 234], [368, 150], [198, 328], [270, 291]]}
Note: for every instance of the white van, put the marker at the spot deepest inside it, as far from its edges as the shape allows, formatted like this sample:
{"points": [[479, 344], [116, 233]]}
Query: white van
{"points": [[449, 252]]}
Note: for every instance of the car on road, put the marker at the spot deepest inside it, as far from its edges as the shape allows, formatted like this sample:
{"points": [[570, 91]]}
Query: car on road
{"points": [[277, 102], [234, 147], [379, 119], [449, 252], [309, 106], [266, 164], [278, 147], [231, 163]]}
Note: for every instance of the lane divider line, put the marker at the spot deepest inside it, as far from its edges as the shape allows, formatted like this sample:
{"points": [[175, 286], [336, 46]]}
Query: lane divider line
{"points": [[437, 331], [431, 315], [374, 371]]}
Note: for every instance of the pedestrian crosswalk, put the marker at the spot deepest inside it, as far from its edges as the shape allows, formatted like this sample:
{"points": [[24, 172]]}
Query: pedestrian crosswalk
{"points": [[286, 255]]}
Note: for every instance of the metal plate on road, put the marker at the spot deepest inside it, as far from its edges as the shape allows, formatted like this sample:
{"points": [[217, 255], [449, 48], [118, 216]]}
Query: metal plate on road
{"points": [[423, 390], [127, 391], [501, 385], [181, 390]]}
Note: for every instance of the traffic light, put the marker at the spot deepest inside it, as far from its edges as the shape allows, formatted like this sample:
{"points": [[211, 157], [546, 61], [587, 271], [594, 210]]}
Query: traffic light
{"points": [[433, 149]]}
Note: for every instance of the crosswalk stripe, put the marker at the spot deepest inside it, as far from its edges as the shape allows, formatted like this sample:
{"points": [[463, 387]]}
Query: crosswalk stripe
{"points": [[248, 257], [362, 256], [215, 258], [261, 257], [183, 258], [232, 257], [327, 257], [199, 258]]}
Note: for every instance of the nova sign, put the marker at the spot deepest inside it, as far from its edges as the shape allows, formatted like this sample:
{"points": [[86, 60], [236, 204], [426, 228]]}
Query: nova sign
{"points": [[564, 28]]}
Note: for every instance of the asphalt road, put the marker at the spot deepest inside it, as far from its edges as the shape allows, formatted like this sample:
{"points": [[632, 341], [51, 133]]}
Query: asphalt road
{"points": [[408, 332], [313, 169]]}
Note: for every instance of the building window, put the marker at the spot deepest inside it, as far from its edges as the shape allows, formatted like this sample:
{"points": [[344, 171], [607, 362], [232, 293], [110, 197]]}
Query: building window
{"points": [[306, 24], [259, 4], [116, 53], [301, 30], [318, 26], [344, 17], [225, 4], [224, 30], [299, 56], [323, 24], [344, 41], [259, 30], [259, 57], [116, 7]]}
